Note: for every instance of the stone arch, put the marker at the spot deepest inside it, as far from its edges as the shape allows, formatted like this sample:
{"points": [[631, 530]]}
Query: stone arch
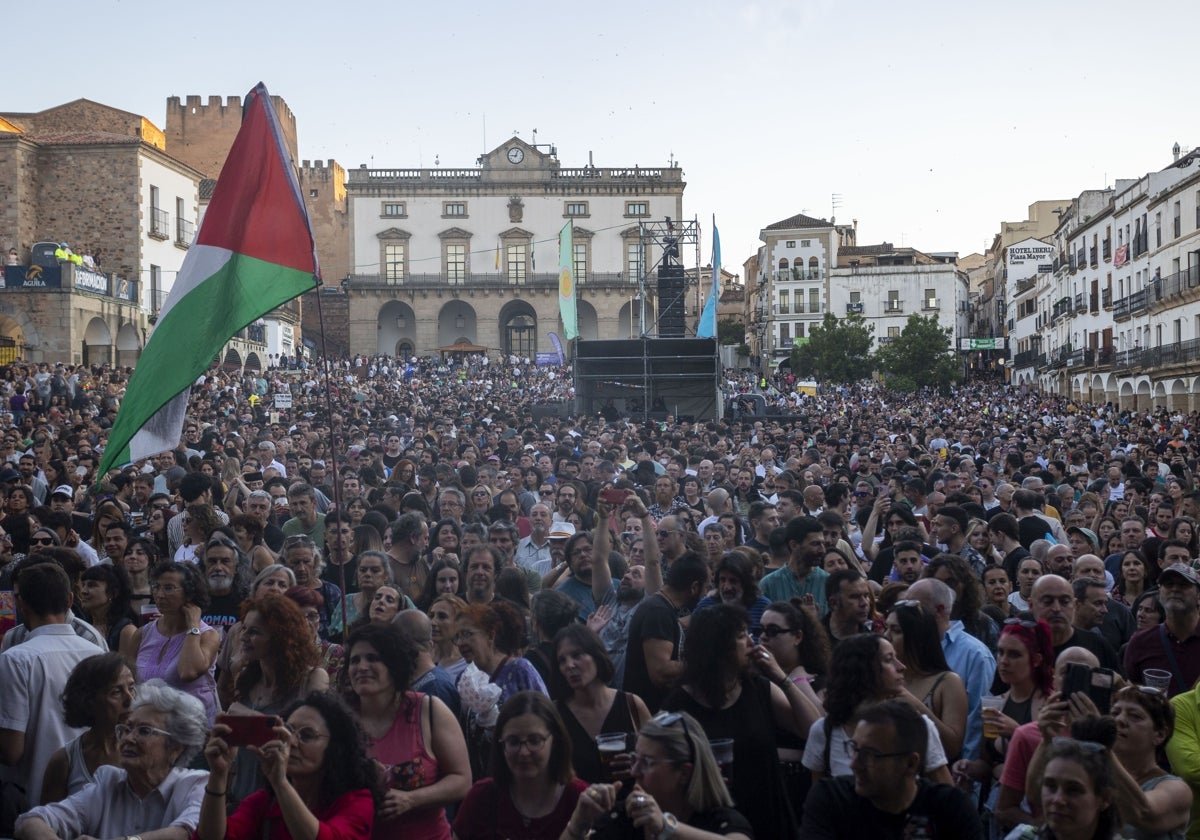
{"points": [[814, 268], [589, 323], [1143, 398], [97, 343], [12, 339], [518, 325], [129, 344], [396, 325], [253, 362], [628, 318], [457, 323], [233, 359], [1177, 396]]}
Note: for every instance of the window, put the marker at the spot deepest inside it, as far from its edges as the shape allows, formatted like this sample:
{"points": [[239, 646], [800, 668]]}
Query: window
{"points": [[576, 209], [160, 219], [312, 193], [856, 297], [393, 262], [637, 208], [634, 260], [893, 333], [394, 210], [184, 230], [454, 209], [791, 243], [1158, 230], [799, 328], [814, 300], [931, 299], [1178, 219], [805, 243], [784, 307], [516, 263], [456, 264], [893, 302], [579, 260], [785, 334], [157, 295], [799, 301]]}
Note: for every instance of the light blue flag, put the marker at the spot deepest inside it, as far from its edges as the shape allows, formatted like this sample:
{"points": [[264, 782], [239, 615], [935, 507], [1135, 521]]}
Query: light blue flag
{"points": [[708, 318]]}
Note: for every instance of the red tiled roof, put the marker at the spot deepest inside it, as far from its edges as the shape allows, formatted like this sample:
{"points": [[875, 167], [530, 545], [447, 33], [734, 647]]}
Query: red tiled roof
{"points": [[798, 221]]}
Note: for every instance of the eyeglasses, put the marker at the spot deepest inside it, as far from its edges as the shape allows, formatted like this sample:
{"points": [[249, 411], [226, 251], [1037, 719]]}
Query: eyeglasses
{"points": [[42, 541], [546, 492], [306, 735], [464, 635], [141, 732], [664, 534], [870, 754], [665, 719], [165, 588], [770, 631], [534, 742], [647, 762]]}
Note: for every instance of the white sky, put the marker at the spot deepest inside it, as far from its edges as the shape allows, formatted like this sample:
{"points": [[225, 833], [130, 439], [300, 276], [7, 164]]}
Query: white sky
{"points": [[935, 121]]}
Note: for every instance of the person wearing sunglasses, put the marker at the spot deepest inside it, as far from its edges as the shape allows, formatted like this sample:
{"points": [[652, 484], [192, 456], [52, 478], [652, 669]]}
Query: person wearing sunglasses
{"points": [[677, 789], [533, 791], [320, 780], [150, 790]]}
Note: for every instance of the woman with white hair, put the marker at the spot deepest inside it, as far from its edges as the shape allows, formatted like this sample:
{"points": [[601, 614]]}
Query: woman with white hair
{"points": [[150, 790]]}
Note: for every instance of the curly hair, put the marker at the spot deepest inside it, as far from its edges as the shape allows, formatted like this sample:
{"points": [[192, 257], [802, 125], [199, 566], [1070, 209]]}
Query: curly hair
{"points": [[291, 649], [814, 648], [90, 680], [397, 653], [347, 765], [854, 676], [968, 591], [712, 640], [195, 587], [738, 565], [499, 620], [119, 589]]}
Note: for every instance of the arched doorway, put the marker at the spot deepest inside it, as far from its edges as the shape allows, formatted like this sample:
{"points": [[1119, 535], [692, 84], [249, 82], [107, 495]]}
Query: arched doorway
{"points": [[405, 350], [518, 330], [129, 345], [233, 360], [629, 318], [12, 340], [589, 324], [456, 324], [97, 343], [253, 363], [397, 324]]}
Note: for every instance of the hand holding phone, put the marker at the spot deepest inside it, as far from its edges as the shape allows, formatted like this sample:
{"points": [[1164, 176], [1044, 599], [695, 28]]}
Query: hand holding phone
{"points": [[250, 730], [613, 496]]}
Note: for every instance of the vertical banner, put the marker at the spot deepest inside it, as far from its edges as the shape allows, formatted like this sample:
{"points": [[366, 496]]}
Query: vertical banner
{"points": [[707, 328], [566, 283]]}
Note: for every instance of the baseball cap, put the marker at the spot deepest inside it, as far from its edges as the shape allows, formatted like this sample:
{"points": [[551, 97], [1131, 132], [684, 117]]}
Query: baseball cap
{"points": [[1181, 569], [64, 490]]}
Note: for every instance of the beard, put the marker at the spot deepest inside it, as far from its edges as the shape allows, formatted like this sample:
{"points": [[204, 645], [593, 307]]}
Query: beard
{"points": [[220, 584], [628, 594]]}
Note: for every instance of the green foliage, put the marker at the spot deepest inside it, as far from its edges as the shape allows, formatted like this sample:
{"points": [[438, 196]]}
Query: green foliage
{"points": [[730, 331], [838, 350], [921, 356]]}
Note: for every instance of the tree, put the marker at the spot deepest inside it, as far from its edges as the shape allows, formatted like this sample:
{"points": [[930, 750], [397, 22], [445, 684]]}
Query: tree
{"points": [[730, 331], [922, 355], [837, 350]]}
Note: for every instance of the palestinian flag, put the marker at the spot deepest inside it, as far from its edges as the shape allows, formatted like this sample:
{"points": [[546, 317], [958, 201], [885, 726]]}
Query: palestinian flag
{"points": [[253, 252]]}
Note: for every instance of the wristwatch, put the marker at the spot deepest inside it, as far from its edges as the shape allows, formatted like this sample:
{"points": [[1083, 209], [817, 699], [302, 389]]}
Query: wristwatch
{"points": [[193, 631], [670, 826]]}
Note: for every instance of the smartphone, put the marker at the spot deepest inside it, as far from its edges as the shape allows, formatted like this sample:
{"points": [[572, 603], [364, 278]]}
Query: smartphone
{"points": [[250, 730], [1096, 683], [614, 496]]}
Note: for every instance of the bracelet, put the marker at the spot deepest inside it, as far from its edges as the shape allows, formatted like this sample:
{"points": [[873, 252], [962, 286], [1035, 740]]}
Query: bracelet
{"points": [[783, 682], [214, 793]]}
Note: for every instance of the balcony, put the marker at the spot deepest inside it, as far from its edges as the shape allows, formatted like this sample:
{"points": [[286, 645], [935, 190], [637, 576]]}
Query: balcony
{"points": [[1026, 358], [185, 232], [539, 280], [1024, 286], [854, 309], [1177, 283], [1106, 298], [160, 223], [1081, 303], [931, 303], [893, 307], [1106, 250]]}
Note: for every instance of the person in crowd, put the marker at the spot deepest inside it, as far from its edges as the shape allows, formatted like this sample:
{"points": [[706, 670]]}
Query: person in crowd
{"points": [[372, 573], [887, 794], [736, 584], [279, 665], [1133, 579], [277, 579], [997, 590], [445, 577], [552, 611], [149, 791], [1147, 612], [532, 791], [677, 789], [587, 705], [251, 540], [1173, 645], [98, 696], [726, 686], [913, 632], [330, 654], [412, 735], [959, 575], [301, 555], [864, 670], [320, 780], [105, 600], [33, 675], [228, 573], [178, 646], [1028, 571], [443, 620], [137, 561]]}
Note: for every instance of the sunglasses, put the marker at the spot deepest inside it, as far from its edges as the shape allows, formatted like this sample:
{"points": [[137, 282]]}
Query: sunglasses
{"points": [[770, 631], [42, 541], [665, 719]]}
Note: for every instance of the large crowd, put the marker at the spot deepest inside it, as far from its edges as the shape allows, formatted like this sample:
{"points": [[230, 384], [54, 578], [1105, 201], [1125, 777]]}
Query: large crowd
{"points": [[420, 598]]}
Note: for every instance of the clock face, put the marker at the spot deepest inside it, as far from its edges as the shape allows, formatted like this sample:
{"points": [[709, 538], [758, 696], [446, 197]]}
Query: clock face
{"points": [[515, 155]]}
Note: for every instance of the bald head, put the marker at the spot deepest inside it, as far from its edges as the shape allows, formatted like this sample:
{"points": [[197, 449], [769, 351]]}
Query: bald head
{"points": [[935, 596], [415, 625], [1089, 566], [718, 501]]}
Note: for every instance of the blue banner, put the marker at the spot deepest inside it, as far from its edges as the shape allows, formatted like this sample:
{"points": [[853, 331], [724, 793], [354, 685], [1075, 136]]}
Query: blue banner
{"points": [[32, 277]]}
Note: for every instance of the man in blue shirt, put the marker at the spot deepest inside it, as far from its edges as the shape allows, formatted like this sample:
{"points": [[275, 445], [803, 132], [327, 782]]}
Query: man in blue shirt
{"points": [[803, 575]]}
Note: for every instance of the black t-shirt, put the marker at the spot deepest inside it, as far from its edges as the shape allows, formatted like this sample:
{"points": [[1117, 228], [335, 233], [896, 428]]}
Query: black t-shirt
{"points": [[833, 811], [654, 619], [1012, 562], [222, 612], [1096, 644]]}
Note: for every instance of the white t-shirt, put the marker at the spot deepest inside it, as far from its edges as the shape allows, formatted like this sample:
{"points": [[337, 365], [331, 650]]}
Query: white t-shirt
{"points": [[839, 759]]}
